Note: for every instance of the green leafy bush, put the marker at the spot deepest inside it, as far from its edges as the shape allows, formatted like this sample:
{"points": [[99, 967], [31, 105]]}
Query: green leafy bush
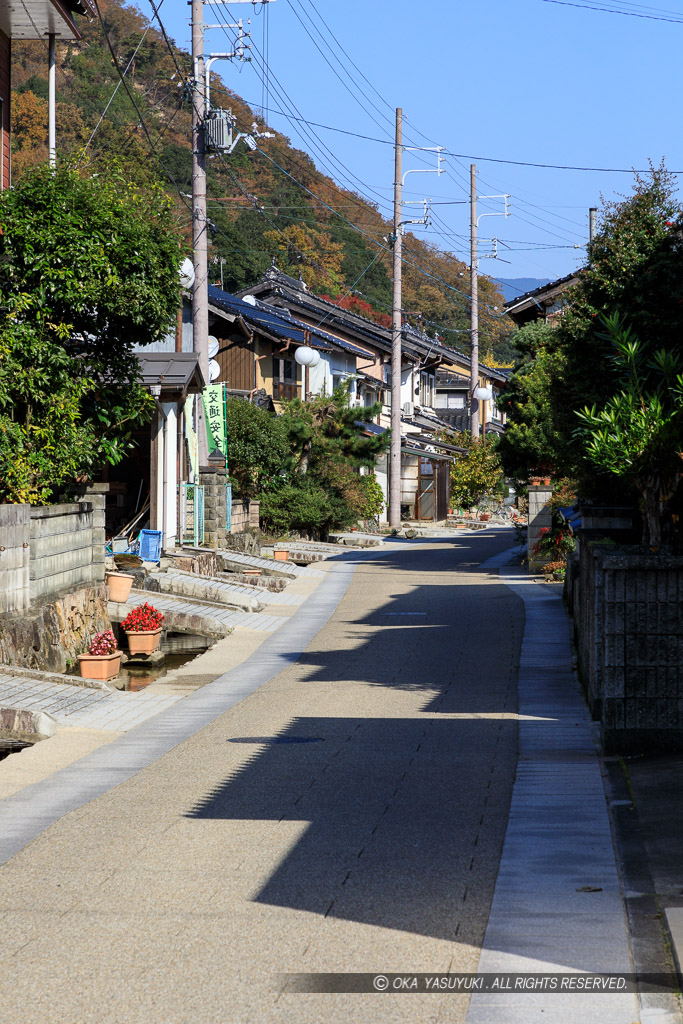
{"points": [[475, 473], [258, 447], [306, 508]]}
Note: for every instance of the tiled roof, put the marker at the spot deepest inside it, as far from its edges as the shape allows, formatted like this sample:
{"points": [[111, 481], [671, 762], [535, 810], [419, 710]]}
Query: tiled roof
{"points": [[279, 322]]}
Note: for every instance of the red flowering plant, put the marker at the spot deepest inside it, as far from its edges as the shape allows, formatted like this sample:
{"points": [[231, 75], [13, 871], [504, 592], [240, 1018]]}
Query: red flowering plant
{"points": [[103, 643], [142, 619], [555, 543]]}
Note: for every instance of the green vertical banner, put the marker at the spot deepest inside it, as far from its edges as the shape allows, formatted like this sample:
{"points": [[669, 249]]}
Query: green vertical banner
{"points": [[214, 407]]}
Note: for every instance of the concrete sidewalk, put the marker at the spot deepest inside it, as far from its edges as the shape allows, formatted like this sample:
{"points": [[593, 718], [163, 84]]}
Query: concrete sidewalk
{"points": [[563, 889]]}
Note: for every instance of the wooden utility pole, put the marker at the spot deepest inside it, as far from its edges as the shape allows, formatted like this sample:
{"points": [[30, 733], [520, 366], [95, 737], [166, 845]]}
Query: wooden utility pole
{"points": [[474, 304], [397, 325], [200, 295], [52, 101]]}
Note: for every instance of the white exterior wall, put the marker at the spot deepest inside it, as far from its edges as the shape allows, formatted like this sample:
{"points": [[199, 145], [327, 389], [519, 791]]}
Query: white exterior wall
{"points": [[332, 363]]}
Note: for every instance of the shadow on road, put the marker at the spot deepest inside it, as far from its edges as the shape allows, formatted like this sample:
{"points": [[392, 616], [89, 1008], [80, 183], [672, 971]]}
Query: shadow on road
{"points": [[404, 816]]}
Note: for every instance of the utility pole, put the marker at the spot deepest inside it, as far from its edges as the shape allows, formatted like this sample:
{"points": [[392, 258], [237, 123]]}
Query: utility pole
{"points": [[396, 325], [474, 305], [474, 300], [200, 295], [52, 101], [592, 222]]}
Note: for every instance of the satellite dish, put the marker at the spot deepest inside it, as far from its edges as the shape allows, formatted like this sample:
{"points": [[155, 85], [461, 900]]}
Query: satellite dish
{"points": [[214, 370], [213, 346]]}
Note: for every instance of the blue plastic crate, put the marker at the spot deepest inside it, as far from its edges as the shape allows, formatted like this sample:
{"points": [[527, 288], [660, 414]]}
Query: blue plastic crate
{"points": [[149, 545]]}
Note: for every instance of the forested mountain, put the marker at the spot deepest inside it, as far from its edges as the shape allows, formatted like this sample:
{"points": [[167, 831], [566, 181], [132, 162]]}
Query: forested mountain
{"points": [[256, 201], [512, 287]]}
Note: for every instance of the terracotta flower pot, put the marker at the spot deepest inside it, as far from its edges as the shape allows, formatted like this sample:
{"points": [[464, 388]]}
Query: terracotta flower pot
{"points": [[146, 641], [119, 584], [99, 666], [281, 556]]}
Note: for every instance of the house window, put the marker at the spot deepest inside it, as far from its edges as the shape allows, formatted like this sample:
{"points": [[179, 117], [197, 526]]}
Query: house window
{"points": [[386, 394], [427, 389], [456, 400], [284, 378]]}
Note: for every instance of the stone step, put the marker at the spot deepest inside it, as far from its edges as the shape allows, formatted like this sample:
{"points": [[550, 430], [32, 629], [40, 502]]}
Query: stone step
{"points": [[209, 588], [235, 561], [204, 618], [359, 540]]}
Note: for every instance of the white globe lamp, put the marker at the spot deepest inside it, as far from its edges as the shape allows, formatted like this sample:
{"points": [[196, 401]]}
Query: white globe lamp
{"points": [[186, 273], [305, 355], [483, 394], [316, 359]]}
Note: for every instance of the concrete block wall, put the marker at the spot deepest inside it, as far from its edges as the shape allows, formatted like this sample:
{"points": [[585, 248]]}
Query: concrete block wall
{"points": [[240, 517], [630, 646], [67, 547], [14, 558]]}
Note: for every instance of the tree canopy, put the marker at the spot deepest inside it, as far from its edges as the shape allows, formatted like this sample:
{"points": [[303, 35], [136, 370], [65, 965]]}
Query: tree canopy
{"points": [[88, 271]]}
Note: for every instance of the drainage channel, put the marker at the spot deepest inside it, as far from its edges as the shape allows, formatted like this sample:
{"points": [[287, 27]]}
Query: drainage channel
{"points": [[9, 746], [176, 650]]}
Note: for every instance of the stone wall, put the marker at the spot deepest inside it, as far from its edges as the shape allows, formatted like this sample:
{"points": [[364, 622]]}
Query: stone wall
{"points": [[629, 638], [197, 560], [14, 557], [215, 505], [51, 635], [540, 518]]}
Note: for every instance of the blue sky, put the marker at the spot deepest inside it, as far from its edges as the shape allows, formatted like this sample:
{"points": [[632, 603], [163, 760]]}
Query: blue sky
{"points": [[531, 81]]}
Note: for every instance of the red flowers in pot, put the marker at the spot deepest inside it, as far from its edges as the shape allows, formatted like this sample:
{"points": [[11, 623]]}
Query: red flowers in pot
{"points": [[143, 629]]}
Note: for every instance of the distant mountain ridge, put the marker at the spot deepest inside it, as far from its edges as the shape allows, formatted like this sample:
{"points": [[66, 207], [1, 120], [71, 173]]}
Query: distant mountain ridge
{"points": [[511, 287]]}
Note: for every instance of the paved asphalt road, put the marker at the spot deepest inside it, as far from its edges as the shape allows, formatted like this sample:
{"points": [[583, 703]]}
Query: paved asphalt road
{"points": [[347, 816]]}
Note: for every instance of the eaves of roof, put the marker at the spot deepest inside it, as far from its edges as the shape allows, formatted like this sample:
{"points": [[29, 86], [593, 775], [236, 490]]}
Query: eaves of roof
{"points": [[177, 373], [545, 291], [280, 325]]}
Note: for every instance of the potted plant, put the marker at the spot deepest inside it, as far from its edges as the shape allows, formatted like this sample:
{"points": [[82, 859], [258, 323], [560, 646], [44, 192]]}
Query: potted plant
{"points": [[102, 660], [142, 626], [119, 584]]}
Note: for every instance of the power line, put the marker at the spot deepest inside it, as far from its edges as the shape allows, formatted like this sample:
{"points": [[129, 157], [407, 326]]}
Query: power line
{"points": [[608, 10]]}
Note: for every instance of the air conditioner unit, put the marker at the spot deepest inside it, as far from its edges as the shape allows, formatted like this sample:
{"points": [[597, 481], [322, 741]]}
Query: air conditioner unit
{"points": [[408, 408]]}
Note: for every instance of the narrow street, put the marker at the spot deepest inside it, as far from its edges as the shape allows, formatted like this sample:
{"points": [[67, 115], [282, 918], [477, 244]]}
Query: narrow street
{"points": [[348, 815]]}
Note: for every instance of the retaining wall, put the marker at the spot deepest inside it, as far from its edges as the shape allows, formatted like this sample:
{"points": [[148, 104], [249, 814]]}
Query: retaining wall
{"points": [[629, 638], [14, 558], [48, 551], [540, 518]]}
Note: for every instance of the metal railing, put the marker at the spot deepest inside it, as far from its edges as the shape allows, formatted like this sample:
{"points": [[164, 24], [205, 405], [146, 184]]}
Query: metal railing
{"points": [[192, 514]]}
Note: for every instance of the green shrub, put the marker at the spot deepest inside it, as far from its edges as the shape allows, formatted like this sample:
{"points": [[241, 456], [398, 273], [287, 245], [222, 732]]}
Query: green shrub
{"points": [[292, 507]]}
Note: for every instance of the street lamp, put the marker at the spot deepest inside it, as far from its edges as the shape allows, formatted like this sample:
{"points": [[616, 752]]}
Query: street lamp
{"points": [[306, 357], [483, 395], [186, 274]]}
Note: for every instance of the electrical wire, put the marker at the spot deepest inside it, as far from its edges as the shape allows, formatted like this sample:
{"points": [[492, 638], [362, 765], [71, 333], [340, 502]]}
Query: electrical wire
{"points": [[608, 10]]}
